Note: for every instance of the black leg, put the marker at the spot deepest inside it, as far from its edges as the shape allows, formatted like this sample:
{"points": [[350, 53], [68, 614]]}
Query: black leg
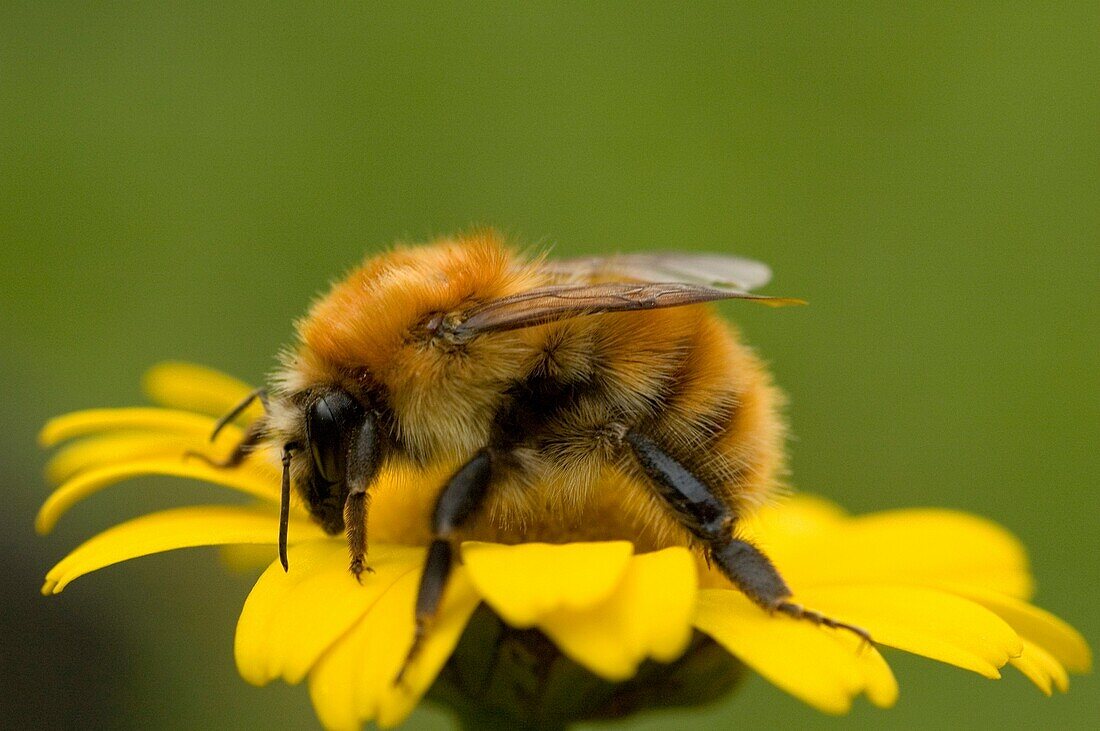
{"points": [[259, 393], [750, 570], [355, 530], [432, 582], [460, 500], [712, 521], [363, 462], [253, 436]]}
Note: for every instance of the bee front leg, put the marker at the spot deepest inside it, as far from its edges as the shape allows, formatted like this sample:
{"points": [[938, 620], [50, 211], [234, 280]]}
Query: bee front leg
{"points": [[712, 521], [253, 437], [255, 433], [460, 500], [363, 463]]}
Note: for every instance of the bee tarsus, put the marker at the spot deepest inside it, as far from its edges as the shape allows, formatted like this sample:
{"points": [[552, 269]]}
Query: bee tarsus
{"points": [[358, 567], [355, 529], [433, 581], [797, 611]]}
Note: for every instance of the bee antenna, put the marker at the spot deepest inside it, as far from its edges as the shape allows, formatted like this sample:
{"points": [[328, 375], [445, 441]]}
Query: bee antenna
{"points": [[259, 393], [284, 503]]}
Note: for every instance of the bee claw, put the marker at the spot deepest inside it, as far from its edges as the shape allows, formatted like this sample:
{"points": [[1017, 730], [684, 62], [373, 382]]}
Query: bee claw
{"points": [[797, 611], [358, 568]]}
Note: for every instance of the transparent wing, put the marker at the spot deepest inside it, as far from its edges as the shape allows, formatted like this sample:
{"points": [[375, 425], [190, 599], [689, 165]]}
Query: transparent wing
{"points": [[719, 271]]}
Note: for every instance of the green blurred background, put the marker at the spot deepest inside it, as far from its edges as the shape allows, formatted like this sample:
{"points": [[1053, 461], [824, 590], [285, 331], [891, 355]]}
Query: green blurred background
{"points": [[177, 183]]}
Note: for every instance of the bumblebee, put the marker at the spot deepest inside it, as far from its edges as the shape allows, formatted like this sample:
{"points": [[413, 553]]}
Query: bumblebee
{"points": [[580, 399]]}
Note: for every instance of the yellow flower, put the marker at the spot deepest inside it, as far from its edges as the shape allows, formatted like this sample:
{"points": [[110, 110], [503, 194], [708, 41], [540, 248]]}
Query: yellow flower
{"points": [[937, 583]]}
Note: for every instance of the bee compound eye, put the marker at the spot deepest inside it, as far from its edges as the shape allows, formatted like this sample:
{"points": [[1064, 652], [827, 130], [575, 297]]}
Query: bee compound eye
{"points": [[325, 426]]}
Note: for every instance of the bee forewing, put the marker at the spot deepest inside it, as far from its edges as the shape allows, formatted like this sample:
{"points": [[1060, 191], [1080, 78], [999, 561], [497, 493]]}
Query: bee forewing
{"points": [[563, 301], [720, 271]]}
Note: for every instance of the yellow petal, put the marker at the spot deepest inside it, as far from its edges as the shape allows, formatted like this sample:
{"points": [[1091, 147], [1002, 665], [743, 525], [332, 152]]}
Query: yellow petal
{"points": [[926, 547], [111, 448], [1063, 642], [796, 656], [354, 681], [524, 583], [460, 601], [117, 447], [168, 530], [794, 518], [347, 682], [257, 483], [1041, 668], [197, 388], [880, 685], [95, 421], [245, 558], [923, 621], [291, 618], [648, 615]]}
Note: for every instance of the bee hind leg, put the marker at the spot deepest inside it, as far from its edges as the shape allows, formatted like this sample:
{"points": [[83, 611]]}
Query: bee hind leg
{"points": [[756, 576], [712, 521], [460, 500]]}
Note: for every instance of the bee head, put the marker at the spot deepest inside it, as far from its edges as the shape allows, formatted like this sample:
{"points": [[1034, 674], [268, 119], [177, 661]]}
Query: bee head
{"points": [[341, 453], [332, 448], [332, 420]]}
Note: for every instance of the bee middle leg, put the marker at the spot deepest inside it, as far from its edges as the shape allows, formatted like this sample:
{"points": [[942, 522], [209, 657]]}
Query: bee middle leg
{"points": [[712, 521], [460, 500]]}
